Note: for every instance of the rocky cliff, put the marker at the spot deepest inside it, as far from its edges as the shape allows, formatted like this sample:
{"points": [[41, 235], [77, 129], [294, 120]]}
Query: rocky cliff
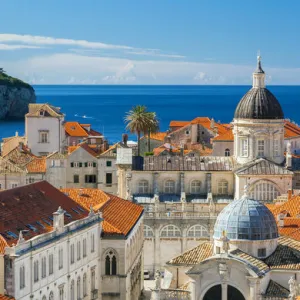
{"points": [[15, 95]]}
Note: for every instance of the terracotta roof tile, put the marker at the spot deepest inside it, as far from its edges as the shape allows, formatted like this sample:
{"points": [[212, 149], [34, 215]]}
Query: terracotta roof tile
{"points": [[119, 215], [255, 262], [160, 136], [34, 203], [292, 207], [75, 129], [276, 290], [227, 136], [5, 297], [49, 110], [193, 256], [84, 146], [291, 129], [37, 165], [286, 255], [178, 123], [56, 155], [20, 156]]}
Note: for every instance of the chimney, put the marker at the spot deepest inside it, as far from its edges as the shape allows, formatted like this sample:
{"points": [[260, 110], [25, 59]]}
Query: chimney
{"points": [[80, 193], [181, 149], [125, 138], [17, 133], [288, 156], [280, 219], [20, 146], [59, 219], [290, 194]]}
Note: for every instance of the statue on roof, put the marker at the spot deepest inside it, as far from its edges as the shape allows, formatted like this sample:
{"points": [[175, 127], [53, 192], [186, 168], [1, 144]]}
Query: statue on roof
{"points": [[292, 287]]}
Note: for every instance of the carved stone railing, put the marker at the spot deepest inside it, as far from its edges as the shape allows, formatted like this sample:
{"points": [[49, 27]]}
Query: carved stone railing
{"points": [[179, 215], [171, 294]]}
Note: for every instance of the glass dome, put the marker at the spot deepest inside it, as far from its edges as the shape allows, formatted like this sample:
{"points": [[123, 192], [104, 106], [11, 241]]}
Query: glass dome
{"points": [[246, 219]]}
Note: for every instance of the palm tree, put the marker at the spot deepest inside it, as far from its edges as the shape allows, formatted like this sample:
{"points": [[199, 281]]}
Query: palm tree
{"points": [[153, 127], [138, 121]]}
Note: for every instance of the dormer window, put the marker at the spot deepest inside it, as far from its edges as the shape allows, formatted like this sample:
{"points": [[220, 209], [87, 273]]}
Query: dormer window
{"points": [[261, 252], [42, 112]]}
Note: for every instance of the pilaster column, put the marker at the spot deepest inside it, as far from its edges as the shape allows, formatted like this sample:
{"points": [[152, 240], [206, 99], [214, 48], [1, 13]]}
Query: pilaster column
{"points": [[193, 290], [155, 186], [156, 247], [224, 290], [253, 290], [128, 191], [208, 183], [182, 190]]}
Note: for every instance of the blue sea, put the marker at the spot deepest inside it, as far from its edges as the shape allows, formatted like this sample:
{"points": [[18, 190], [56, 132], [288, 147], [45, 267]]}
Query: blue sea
{"points": [[105, 106]]}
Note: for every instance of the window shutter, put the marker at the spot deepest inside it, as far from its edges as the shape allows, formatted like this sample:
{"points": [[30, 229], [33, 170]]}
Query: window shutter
{"points": [[72, 165], [86, 164]]}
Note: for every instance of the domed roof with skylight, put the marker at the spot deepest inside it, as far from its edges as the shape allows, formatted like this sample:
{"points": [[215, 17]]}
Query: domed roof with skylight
{"points": [[246, 219]]}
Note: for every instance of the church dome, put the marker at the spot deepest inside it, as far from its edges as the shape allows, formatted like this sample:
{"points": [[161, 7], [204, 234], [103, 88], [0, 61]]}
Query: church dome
{"points": [[246, 219], [259, 102]]}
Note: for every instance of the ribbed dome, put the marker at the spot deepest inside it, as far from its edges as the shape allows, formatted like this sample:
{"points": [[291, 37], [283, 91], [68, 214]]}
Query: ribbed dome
{"points": [[246, 219], [259, 103]]}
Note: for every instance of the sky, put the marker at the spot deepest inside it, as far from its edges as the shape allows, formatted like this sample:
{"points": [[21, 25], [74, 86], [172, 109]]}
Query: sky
{"points": [[150, 42]]}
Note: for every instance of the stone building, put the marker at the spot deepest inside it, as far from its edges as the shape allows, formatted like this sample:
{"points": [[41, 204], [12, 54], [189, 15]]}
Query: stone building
{"points": [[246, 259], [91, 247], [44, 130], [255, 157]]}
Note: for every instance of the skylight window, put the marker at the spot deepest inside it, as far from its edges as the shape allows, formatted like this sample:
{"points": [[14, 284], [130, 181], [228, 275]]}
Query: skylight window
{"points": [[47, 222], [31, 227], [11, 234], [40, 224], [80, 208], [75, 211], [68, 215]]}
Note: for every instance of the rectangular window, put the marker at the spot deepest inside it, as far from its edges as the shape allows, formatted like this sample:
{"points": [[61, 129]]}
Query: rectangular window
{"points": [[260, 148], [244, 147], [108, 178], [76, 178], [90, 164], [78, 250], [80, 165], [72, 165], [218, 250], [50, 264], [276, 148], [94, 165], [72, 254], [261, 252], [90, 178], [85, 164], [92, 243], [44, 137], [14, 185], [108, 163], [60, 259], [84, 248], [76, 164]]}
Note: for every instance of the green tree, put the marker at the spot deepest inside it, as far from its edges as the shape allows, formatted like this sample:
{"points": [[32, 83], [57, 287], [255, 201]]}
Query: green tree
{"points": [[153, 127], [138, 120]]}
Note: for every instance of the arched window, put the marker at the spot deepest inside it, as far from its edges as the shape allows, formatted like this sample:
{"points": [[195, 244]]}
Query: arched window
{"points": [[51, 296], [61, 293], [143, 187], [169, 187], [36, 271], [170, 231], [264, 191], [72, 254], [78, 289], [227, 152], [93, 279], [84, 287], [72, 290], [195, 187], [148, 232], [223, 187], [22, 277], [198, 231], [110, 263]]}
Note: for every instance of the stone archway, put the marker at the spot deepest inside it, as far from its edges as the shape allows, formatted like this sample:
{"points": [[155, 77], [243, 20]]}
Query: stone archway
{"points": [[215, 293]]}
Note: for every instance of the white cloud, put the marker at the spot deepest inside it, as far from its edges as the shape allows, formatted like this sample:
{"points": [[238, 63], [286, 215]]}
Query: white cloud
{"points": [[67, 68], [17, 47], [44, 40], [154, 53]]}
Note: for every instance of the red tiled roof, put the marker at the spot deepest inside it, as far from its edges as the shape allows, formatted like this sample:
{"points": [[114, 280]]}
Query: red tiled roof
{"points": [[290, 129], [37, 165], [84, 146], [227, 136], [75, 129], [5, 297], [160, 136], [178, 123], [119, 215], [30, 204]]}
